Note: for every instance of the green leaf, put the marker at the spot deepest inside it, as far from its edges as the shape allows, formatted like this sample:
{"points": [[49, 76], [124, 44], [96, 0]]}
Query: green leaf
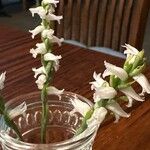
{"points": [[2, 105], [12, 125]]}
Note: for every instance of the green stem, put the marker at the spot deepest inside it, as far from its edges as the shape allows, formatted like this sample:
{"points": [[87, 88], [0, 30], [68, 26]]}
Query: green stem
{"points": [[44, 114]]}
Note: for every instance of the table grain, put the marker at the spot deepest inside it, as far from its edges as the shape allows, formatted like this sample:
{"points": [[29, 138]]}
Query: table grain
{"points": [[75, 73]]}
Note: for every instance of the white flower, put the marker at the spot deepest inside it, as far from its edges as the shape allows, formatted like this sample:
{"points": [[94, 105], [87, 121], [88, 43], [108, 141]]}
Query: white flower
{"points": [[2, 79], [48, 33], [19, 110], [38, 71], [52, 17], [131, 53], [97, 117], [98, 81], [117, 110], [38, 10], [37, 30], [114, 70], [130, 50], [131, 94], [104, 93], [40, 81], [57, 40], [41, 49], [80, 106], [51, 2], [54, 91], [52, 57], [142, 80]]}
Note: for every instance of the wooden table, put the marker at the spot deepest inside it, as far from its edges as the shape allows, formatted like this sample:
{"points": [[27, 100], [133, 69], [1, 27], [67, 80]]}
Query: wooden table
{"points": [[77, 67]]}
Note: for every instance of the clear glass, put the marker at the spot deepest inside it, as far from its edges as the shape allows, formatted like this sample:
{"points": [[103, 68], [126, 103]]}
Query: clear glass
{"points": [[61, 127]]}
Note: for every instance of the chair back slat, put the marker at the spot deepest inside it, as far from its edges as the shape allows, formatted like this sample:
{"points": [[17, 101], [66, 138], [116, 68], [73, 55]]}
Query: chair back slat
{"points": [[84, 26], [109, 22], [93, 20], [101, 22], [76, 20], [125, 22], [117, 25], [68, 19]]}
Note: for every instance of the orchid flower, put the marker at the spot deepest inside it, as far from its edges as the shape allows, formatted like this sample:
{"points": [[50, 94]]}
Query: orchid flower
{"points": [[97, 117], [38, 71], [38, 10], [19, 110], [51, 2], [41, 49], [52, 17], [104, 93], [51, 57], [131, 95], [2, 79], [130, 50], [53, 90], [54, 58], [99, 81], [37, 30], [80, 106], [40, 81], [57, 40], [48, 33], [117, 110], [102, 88], [142, 80], [114, 70]]}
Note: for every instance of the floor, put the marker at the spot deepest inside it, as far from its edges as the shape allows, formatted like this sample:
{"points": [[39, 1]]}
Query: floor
{"points": [[21, 19]]}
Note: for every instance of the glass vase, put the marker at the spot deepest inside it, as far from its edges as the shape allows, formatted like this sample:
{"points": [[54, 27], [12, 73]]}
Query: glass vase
{"points": [[62, 124]]}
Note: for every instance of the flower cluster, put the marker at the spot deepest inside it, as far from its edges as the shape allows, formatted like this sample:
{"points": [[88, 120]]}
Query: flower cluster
{"points": [[106, 93], [50, 62]]}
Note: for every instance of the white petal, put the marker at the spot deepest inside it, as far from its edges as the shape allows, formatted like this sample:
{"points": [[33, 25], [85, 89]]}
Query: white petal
{"points": [[106, 93], [40, 81], [57, 40], [98, 81], [19, 110], [51, 57], [129, 91], [41, 49], [116, 109], [51, 2], [38, 71], [80, 106], [130, 99], [106, 73], [118, 71], [53, 90], [38, 10], [2, 79], [130, 50], [117, 117], [36, 31], [52, 17], [97, 117], [142, 80], [48, 33]]}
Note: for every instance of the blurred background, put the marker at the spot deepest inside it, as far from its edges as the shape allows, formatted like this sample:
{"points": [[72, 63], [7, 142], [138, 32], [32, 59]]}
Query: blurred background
{"points": [[15, 13]]}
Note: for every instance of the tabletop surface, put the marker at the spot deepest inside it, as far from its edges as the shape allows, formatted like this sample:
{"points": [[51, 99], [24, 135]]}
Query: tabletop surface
{"points": [[75, 73]]}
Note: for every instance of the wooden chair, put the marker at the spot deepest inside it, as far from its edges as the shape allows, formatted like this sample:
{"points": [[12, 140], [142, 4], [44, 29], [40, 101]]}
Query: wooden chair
{"points": [[103, 23]]}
